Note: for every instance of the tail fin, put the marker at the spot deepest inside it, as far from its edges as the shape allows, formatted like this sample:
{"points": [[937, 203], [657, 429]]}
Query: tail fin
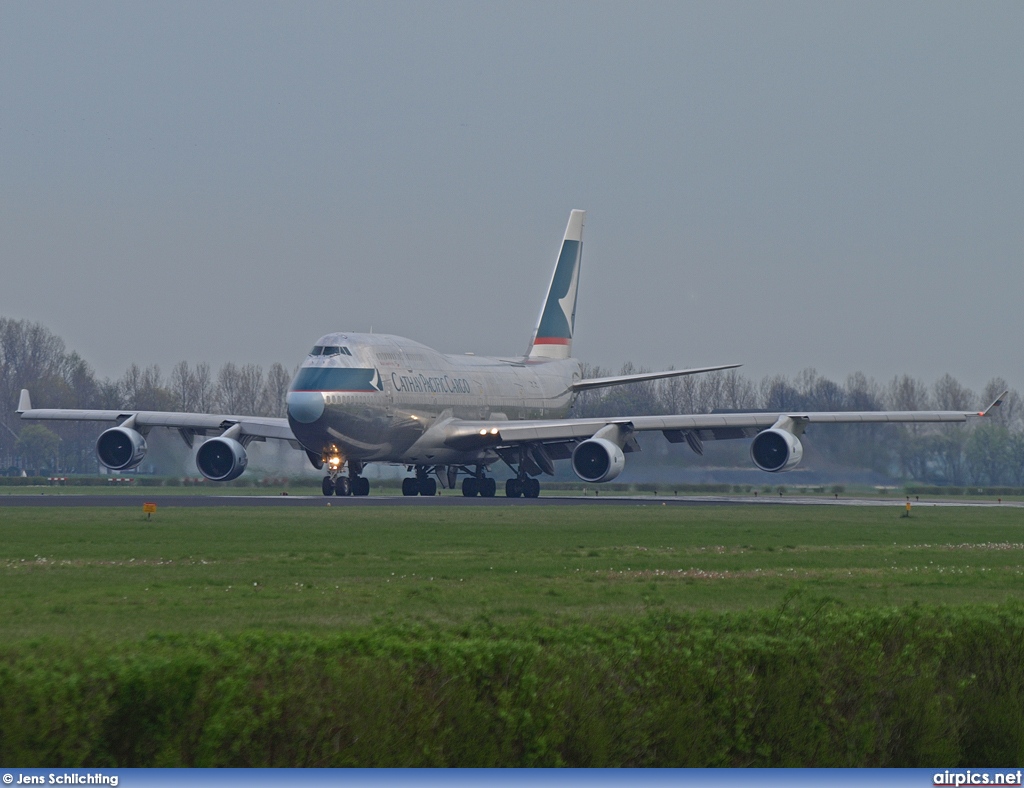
{"points": [[553, 336]]}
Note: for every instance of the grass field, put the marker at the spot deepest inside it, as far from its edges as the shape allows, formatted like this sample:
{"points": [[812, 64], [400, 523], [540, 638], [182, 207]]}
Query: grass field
{"points": [[632, 635], [109, 573]]}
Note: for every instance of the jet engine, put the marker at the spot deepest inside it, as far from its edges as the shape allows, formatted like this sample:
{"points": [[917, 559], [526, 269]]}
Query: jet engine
{"points": [[776, 450], [120, 447], [598, 460], [221, 459]]}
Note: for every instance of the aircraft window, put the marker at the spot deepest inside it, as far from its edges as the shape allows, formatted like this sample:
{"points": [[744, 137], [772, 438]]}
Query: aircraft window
{"points": [[329, 350]]}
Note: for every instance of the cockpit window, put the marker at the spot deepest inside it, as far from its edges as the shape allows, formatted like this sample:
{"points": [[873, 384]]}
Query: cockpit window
{"points": [[329, 350]]}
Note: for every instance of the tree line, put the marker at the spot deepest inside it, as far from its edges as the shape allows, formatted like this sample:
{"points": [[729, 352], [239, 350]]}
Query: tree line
{"points": [[33, 357], [982, 453], [989, 453]]}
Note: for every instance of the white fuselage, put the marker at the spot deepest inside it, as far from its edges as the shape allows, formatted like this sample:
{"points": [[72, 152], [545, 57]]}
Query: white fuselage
{"points": [[375, 398]]}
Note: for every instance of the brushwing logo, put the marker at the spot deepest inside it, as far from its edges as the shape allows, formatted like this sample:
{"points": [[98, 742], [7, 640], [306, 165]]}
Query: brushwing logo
{"points": [[556, 322], [568, 301]]}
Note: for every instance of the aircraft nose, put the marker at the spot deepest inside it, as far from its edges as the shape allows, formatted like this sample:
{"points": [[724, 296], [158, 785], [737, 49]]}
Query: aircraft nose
{"points": [[305, 407]]}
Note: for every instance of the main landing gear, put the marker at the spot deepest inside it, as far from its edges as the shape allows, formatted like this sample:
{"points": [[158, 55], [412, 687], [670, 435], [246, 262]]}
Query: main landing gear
{"points": [[481, 485], [353, 484], [476, 482], [421, 484], [521, 487], [525, 487]]}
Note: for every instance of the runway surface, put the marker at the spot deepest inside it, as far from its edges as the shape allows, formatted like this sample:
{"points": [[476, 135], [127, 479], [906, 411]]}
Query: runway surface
{"points": [[196, 501]]}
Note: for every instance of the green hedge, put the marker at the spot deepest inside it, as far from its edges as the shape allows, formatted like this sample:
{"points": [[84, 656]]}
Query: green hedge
{"points": [[22, 481], [70, 481], [918, 489], [875, 688], [142, 480], [644, 487]]}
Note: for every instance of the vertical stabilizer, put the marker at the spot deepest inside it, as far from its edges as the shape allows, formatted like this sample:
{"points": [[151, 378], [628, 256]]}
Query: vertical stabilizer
{"points": [[553, 336]]}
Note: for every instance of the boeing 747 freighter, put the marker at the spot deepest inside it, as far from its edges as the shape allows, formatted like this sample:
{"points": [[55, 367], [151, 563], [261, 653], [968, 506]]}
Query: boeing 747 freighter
{"points": [[364, 398]]}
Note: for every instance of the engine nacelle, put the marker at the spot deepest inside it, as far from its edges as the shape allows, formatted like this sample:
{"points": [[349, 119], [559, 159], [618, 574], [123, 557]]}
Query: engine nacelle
{"points": [[598, 460], [120, 447], [776, 451], [221, 459]]}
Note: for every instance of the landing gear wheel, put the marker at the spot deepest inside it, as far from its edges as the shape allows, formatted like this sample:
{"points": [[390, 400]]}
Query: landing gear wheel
{"points": [[360, 486], [410, 486], [487, 487], [328, 486], [341, 486], [531, 488], [470, 487], [428, 487], [513, 489]]}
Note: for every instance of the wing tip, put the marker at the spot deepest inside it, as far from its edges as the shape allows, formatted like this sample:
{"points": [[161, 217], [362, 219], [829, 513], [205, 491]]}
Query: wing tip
{"points": [[24, 402], [995, 404]]}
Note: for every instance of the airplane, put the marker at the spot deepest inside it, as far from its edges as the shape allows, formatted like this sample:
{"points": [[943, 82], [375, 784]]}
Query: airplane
{"points": [[374, 398]]}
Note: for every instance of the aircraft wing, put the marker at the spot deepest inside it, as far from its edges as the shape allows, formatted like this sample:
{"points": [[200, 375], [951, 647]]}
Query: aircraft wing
{"points": [[678, 428], [189, 424]]}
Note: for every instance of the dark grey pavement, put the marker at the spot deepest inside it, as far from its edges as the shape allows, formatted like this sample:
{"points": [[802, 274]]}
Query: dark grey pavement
{"points": [[194, 501]]}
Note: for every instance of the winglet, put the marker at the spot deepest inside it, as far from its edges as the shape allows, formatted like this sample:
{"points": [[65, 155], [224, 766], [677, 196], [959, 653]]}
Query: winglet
{"points": [[24, 403], [998, 401]]}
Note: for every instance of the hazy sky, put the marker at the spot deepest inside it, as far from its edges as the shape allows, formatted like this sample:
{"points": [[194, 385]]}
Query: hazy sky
{"points": [[785, 185]]}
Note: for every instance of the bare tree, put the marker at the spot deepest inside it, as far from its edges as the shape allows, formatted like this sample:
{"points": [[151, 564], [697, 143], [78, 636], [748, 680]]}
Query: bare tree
{"points": [[777, 393], [863, 393], [737, 392], [951, 440], [276, 391], [250, 393], [913, 441], [950, 395], [588, 403], [228, 396], [205, 389], [182, 385], [907, 393], [143, 389]]}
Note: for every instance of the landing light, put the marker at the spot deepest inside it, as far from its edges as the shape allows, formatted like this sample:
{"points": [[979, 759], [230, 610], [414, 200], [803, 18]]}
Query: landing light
{"points": [[334, 462], [483, 432], [494, 430]]}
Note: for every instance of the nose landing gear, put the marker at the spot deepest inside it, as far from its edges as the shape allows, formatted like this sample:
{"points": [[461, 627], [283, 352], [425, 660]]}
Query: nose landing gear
{"points": [[336, 484]]}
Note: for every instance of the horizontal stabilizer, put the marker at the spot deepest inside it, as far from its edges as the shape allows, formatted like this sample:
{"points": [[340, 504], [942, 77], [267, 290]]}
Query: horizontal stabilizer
{"points": [[618, 380]]}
